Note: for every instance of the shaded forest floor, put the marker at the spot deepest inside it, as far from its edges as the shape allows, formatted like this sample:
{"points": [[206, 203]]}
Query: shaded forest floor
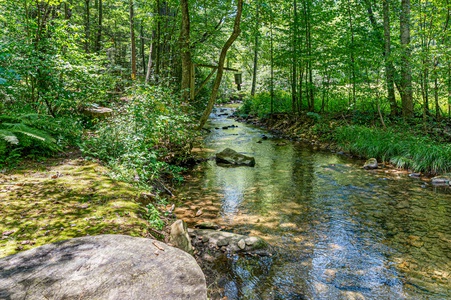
{"points": [[62, 198]]}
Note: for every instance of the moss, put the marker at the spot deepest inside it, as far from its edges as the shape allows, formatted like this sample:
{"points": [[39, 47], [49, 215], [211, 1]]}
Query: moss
{"points": [[43, 203]]}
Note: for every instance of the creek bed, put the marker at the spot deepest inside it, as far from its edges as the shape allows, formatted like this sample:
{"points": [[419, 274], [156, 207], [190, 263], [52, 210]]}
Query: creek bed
{"points": [[340, 232]]}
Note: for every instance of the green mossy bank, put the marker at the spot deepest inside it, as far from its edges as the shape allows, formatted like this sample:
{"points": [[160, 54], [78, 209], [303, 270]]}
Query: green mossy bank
{"points": [[63, 198], [421, 148]]}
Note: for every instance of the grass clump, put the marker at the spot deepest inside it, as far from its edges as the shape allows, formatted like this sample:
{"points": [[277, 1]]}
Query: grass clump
{"points": [[404, 149]]}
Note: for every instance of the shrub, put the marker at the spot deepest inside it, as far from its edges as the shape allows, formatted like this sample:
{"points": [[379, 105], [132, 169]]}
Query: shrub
{"points": [[148, 134]]}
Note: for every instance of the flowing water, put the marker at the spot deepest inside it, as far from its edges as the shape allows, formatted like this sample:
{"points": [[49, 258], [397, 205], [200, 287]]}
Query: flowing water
{"points": [[340, 232]]}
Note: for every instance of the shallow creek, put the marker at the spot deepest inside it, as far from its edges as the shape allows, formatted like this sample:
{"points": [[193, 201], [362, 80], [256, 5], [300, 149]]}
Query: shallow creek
{"points": [[340, 232]]}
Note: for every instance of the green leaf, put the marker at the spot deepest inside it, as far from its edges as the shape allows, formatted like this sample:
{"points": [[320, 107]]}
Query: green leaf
{"points": [[9, 137]]}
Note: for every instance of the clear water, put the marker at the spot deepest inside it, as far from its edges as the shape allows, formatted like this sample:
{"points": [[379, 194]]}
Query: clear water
{"points": [[340, 232]]}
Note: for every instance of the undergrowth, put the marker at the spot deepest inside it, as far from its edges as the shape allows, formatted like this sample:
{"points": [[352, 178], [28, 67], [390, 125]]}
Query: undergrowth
{"points": [[146, 139], [405, 150]]}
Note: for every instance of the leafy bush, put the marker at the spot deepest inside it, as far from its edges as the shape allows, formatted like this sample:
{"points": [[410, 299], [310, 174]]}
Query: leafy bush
{"points": [[146, 137], [153, 216], [33, 135]]}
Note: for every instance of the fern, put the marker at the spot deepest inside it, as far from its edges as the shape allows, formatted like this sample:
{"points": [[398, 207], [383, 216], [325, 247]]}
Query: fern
{"points": [[29, 131], [9, 137], [13, 127]]}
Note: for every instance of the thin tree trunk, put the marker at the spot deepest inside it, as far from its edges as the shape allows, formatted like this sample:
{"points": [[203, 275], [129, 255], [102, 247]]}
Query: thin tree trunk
{"points": [[99, 29], [222, 57], [389, 69], [132, 40], [143, 55], [406, 67], [87, 25], [257, 33], [185, 48], [295, 59], [272, 67], [149, 63], [351, 56]]}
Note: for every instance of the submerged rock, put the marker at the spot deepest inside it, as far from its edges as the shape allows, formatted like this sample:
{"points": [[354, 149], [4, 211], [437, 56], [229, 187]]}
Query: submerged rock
{"points": [[231, 157], [370, 164], [233, 242], [441, 180], [102, 267]]}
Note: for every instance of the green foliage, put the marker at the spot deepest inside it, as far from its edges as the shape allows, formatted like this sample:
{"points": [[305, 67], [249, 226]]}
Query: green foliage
{"points": [[33, 135], [149, 134], [410, 151], [260, 104], [153, 216]]}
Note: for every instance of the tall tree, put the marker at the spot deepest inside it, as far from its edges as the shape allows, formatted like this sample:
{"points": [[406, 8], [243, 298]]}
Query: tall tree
{"points": [[185, 49], [389, 69], [132, 39], [256, 45], [406, 67], [235, 33]]}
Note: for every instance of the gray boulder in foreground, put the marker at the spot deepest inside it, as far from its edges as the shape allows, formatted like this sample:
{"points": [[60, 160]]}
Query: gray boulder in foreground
{"points": [[231, 157], [102, 267]]}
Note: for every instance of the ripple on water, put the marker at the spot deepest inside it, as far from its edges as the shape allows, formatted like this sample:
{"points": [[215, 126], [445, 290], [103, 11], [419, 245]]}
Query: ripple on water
{"points": [[340, 232]]}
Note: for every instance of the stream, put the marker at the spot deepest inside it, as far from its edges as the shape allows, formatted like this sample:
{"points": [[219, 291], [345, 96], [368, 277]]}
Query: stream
{"points": [[340, 232]]}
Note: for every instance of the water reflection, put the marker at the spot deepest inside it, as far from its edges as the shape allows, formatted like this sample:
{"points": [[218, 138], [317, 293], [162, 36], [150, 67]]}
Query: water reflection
{"points": [[341, 232]]}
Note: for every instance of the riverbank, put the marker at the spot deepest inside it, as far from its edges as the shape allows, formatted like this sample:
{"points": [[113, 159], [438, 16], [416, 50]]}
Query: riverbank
{"points": [[422, 151]]}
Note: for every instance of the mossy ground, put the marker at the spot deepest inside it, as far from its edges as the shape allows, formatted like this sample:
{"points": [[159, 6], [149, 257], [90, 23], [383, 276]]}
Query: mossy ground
{"points": [[63, 198]]}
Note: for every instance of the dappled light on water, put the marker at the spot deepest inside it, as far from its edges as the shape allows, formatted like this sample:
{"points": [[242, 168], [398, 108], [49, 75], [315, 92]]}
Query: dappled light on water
{"points": [[340, 232]]}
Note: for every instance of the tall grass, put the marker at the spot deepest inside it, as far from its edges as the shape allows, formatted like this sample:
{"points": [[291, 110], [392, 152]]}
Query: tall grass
{"points": [[405, 150]]}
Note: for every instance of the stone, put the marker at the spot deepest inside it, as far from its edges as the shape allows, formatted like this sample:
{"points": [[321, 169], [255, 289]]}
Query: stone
{"points": [[222, 242], [241, 244], [251, 241], [179, 236], [102, 267], [98, 112], [370, 164], [231, 157], [214, 239], [440, 180]]}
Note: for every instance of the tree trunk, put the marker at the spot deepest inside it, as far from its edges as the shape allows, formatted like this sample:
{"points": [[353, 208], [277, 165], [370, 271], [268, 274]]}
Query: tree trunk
{"points": [[143, 43], [257, 26], [99, 29], [272, 67], [406, 67], [389, 69], [295, 59], [310, 87], [222, 57], [185, 48], [149, 63], [132, 40], [87, 25], [352, 57]]}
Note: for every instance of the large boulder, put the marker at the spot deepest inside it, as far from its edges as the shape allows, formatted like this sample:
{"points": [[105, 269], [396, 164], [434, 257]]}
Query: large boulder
{"points": [[102, 267], [231, 157]]}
